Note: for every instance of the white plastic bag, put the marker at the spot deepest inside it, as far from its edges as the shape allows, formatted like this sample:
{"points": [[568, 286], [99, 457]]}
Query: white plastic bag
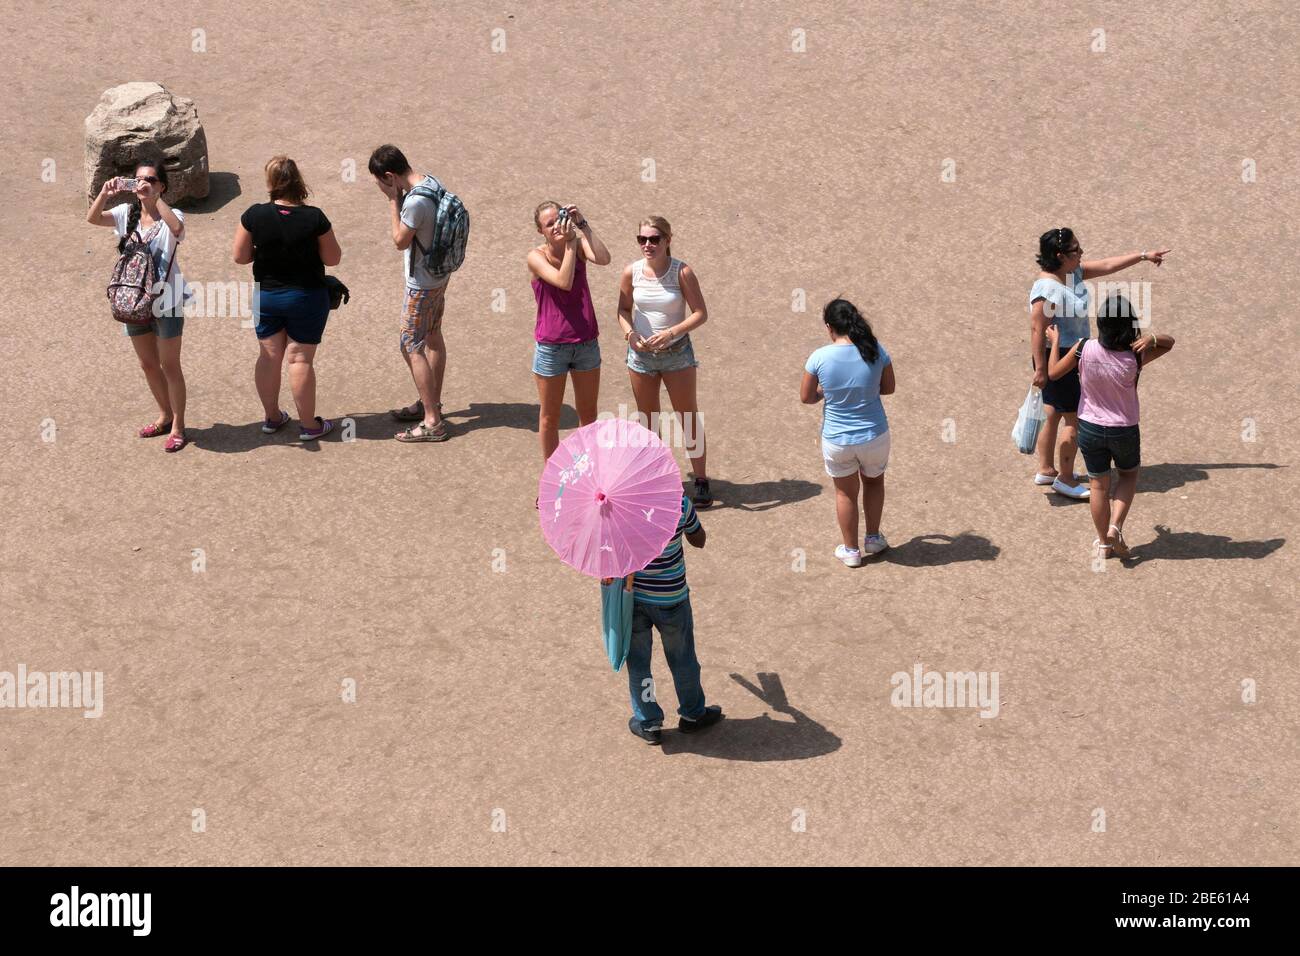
{"points": [[1029, 421]]}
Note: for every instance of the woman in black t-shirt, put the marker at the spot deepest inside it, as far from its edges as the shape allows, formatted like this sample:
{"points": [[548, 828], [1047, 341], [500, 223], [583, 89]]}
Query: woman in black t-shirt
{"points": [[289, 244]]}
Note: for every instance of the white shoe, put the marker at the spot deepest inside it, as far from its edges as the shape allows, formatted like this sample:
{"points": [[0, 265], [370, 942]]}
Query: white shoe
{"points": [[850, 556], [1042, 479], [874, 543], [1070, 491]]}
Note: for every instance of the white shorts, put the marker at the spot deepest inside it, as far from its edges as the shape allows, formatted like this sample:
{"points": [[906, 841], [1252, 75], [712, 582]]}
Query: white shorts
{"points": [[868, 458]]}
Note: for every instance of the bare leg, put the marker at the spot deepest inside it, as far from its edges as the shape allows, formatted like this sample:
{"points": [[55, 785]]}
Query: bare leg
{"points": [[302, 381], [169, 358], [1069, 445], [427, 365], [586, 388], [1047, 441], [645, 389], [1125, 488], [146, 350], [846, 509], [550, 395], [266, 374], [873, 501], [1100, 505], [681, 392]]}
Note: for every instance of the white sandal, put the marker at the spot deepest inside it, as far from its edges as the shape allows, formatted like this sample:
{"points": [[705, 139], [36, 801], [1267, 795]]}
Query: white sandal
{"points": [[1120, 547]]}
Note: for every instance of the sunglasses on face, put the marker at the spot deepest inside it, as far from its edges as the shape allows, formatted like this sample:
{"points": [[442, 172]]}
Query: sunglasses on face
{"points": [[151, 180], [648, 240], [1076, 251]]}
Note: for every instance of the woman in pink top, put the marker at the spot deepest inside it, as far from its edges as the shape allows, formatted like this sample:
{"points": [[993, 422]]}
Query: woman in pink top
{"points": [[1108, 411], [566, 319]]}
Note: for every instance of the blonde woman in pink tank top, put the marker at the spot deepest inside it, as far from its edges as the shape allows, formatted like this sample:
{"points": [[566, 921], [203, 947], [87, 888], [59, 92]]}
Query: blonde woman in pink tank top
{"points": [[566, 330], [1109, 369]]}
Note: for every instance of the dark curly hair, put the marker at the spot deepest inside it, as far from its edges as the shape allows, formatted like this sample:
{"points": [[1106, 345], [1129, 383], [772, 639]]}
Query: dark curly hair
{"points": [[1050, 246], [155, 163]]}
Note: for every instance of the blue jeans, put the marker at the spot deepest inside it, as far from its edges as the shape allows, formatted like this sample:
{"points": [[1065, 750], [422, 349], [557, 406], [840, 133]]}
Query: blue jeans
{"points": [[677, 632]]}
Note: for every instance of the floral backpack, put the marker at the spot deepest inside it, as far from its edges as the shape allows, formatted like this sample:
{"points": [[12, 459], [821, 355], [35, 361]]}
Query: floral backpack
{"points": [[134, 286]]}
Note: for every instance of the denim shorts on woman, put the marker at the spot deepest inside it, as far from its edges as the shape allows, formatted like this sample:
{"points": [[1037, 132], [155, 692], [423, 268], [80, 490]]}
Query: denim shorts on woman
{"points": [[679, 355], [1099, 444], [299, 312], [559, 358], [170, 325]]}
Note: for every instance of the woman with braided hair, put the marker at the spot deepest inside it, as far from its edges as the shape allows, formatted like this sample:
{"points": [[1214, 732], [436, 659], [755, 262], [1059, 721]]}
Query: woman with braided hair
{"points": [[158, 343]]}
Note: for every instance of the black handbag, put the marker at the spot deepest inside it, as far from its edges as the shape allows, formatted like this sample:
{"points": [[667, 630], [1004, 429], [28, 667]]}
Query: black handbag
{"points": [[337, 290]]}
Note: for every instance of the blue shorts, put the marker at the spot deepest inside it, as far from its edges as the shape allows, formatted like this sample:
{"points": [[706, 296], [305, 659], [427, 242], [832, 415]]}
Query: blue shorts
{"points": [[299, 312], [680, 355], [1100, 443], [170, 325], [559, 358]]}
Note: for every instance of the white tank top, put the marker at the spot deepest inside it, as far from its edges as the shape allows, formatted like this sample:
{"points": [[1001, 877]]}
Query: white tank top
{"points": [[658, 303]]}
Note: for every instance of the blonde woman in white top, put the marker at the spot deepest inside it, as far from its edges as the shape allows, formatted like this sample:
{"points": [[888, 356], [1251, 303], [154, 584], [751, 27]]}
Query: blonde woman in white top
{"points": [[659, 305]]}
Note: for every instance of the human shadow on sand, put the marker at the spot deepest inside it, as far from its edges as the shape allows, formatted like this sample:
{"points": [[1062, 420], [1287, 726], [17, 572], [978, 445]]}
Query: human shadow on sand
{"points": [[933, 550], [1157, 479], [761, 738], [760, 495], [225, 437], [521, 415], [1191, 545], [222, 188], [371, 426]]}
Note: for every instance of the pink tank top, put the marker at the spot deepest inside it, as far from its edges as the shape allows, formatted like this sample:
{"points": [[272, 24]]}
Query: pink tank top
{"points": [[1108, 386], [565, 317]]}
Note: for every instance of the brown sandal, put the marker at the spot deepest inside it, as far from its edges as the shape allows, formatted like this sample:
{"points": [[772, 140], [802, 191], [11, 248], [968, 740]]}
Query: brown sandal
{"points": [[411, 413], [423, 432]]}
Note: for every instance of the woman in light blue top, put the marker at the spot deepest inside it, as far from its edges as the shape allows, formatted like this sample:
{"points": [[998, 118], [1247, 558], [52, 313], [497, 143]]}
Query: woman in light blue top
{"points": [[850, 375], [1060, 297]]}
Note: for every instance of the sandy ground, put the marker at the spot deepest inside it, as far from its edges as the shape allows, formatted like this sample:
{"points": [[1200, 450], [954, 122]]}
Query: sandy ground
{"points": [[483, 692]]}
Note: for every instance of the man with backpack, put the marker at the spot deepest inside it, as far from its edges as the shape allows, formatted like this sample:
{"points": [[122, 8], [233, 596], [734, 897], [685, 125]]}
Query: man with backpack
{"points": [[430, 224]]}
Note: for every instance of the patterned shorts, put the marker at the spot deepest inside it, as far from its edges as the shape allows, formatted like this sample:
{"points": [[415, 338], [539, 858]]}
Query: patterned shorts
{"points": [[421, 317]]}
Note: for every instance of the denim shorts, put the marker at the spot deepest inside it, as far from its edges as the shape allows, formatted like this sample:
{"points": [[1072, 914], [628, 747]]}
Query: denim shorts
{"points": [[559, 358], [170, 325], [678, 356], [299, 312], [1100, 443]]}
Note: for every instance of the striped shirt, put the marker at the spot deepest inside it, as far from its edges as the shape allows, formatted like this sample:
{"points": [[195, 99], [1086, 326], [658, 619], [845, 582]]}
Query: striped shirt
{"points": [[663, 581]]}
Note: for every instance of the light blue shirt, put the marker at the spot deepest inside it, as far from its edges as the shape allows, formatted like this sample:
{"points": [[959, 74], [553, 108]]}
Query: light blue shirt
{"points": [[1065, 306], [852, 412]]}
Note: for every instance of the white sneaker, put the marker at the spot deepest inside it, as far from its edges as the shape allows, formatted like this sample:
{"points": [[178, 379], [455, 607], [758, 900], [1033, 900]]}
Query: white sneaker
{"points": [[1070, 491], [850, 556], [874, 543], [1042, 479]]}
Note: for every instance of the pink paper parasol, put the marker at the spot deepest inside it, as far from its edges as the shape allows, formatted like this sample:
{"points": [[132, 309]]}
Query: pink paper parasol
{"points": [[610, 498]]}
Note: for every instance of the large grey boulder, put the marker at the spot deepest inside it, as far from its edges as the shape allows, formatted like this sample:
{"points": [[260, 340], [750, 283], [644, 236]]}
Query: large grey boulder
{"points": [[141, 118]]}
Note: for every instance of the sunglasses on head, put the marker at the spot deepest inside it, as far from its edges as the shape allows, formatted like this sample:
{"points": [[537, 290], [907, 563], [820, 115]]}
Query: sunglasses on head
{"points": [[648, 240]]}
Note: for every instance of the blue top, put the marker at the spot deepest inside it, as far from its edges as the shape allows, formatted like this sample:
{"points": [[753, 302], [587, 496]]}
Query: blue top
{"points": [[852, 412], [1065, 306], [663, 581]]}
